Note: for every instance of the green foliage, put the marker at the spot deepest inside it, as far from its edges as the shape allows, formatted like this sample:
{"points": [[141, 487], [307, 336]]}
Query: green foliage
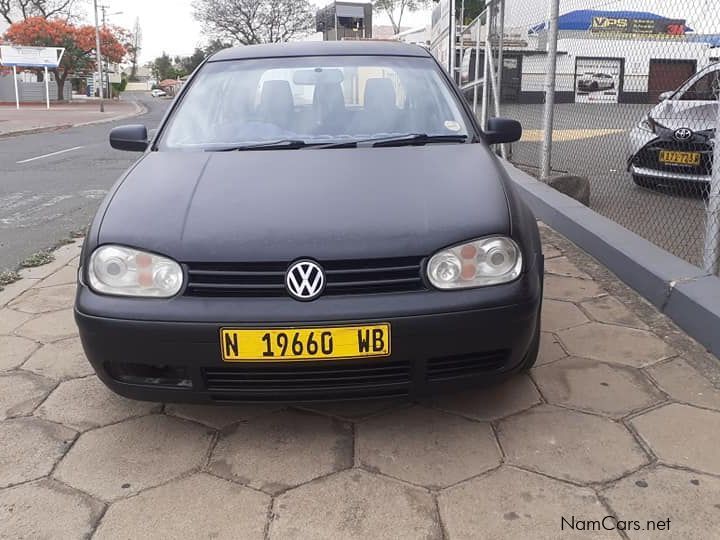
{"points": [[7, 277], [473, 8], [38, 259], [163, 68], [119, 87]]}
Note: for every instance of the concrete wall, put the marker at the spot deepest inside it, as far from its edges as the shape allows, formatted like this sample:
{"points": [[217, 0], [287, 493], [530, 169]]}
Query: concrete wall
{"points": [[636, 53], [30, 92]]}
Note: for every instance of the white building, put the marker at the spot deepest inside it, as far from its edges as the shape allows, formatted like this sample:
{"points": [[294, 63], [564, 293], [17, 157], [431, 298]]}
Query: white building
{"points": [[605, 56]]}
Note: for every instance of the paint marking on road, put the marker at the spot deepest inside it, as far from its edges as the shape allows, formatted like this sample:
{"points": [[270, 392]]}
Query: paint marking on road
{"points": [[564, 135], [49, 155]]}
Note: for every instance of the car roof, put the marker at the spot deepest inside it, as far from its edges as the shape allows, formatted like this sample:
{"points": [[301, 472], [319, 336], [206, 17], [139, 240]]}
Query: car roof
{"points": [[320, 48]]}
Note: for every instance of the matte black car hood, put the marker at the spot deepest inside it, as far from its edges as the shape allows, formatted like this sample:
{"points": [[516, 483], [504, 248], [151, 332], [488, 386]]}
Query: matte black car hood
{"points": [[279, 205]]}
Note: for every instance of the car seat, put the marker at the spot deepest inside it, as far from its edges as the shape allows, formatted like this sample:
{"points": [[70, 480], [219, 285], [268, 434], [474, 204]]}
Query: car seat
{"points": [[276, 104]]}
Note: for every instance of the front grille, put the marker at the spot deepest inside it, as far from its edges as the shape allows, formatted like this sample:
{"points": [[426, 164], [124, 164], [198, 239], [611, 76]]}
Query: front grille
{"points": [[363, 276], [327, 380], [466, 365], [649, 157]]}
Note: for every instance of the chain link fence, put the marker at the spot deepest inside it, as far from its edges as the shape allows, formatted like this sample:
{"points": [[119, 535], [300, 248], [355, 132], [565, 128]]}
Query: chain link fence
{"points": [[633, 108]]}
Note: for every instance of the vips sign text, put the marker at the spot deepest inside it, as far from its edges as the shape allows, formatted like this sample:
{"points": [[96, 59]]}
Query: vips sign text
{"points": [[625, 25]]}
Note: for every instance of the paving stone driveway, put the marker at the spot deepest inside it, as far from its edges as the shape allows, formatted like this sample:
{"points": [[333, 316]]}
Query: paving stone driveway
{"points": [[621, 417]]}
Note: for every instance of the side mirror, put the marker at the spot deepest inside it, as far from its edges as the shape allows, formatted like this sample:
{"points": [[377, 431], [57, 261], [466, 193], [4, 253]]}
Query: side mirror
{"points": [[503, 130], [133, 138], [665, 96]]}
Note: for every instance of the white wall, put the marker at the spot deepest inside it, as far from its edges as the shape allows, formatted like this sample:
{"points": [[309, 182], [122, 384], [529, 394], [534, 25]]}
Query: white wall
{"points": [[637, 54]]}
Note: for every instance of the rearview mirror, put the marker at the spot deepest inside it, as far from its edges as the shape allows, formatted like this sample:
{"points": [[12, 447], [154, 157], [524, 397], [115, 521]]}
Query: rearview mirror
{"points": [[665, 96], [309, 77], [133, 138], [503, 130]]}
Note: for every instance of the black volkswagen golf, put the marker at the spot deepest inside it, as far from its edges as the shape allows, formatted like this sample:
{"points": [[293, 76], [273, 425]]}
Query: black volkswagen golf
{"points": [[312, 221]]}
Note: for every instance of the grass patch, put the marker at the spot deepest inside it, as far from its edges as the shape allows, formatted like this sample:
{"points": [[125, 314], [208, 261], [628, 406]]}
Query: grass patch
{"points": [[7, 277], [38, 259]]}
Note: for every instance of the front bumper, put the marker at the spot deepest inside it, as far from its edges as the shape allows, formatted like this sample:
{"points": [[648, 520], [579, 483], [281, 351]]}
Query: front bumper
{"points": [[645, 148], [670, 176], [178, 361]]}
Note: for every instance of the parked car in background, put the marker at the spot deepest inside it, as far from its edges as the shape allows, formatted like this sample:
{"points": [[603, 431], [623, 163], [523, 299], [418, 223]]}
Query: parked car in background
{"points": [[312, 221], [158, 93], [593, 82], [673, 144]]}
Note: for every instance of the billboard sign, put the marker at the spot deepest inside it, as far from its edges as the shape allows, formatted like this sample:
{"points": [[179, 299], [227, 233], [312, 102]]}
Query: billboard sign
{"points": [[597, 80], [646, 27], [31, 57]]}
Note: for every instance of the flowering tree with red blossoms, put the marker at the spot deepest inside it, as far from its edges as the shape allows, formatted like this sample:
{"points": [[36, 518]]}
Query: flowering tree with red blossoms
{"points": [[78, 41]]}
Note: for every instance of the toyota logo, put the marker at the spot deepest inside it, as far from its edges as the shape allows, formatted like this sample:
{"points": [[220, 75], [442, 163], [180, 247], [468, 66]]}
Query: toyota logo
{"points": [[305, 280], [683, 134]]}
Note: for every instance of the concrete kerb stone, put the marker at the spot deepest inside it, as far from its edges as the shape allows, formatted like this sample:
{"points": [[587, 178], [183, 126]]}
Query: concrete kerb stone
{"points": [[32, 276], [678, 289], [139, 110]]}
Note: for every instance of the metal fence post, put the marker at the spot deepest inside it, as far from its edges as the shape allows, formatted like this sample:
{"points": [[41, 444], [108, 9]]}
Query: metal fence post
{"points": [[711, 251], [477, 66], [548, 116]]}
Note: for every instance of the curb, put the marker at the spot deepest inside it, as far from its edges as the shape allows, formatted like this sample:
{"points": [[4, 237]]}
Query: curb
{"points": [[683, 292], [29, 277], [139, 110]]}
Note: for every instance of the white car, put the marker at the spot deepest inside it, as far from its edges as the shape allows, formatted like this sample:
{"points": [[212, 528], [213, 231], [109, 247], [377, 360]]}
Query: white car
{"points": [[158, 93], [592, 82], [673, 144]]}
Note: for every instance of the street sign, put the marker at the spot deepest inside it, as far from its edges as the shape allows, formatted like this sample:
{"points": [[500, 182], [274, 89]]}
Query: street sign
{"points": [[31, 57], [38, 57]]}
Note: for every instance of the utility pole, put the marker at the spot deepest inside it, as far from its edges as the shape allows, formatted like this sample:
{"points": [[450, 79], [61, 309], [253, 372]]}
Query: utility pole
{"points": [[98, 58], [550, 77]]}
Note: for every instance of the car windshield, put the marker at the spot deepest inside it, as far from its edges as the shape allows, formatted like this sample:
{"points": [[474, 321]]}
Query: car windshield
{"points": [[314, 100]]}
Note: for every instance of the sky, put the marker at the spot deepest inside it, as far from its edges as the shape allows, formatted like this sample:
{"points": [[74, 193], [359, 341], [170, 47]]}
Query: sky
{"points": [[168, 25]]}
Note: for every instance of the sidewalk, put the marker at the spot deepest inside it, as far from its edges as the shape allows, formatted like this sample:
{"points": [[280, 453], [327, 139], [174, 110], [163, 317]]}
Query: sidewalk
{"points": [[621, 417], [35, 117]]}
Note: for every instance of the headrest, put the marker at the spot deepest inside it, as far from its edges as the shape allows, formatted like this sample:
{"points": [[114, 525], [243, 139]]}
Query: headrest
{"points": [[379, 93]]}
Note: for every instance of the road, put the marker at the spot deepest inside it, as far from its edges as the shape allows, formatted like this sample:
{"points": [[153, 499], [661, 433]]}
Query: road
{"points": [[591, 141], [52, 183]]}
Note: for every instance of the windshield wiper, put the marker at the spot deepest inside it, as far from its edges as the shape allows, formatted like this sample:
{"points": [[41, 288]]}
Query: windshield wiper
{"points": [[398, 140], [285, 144]]}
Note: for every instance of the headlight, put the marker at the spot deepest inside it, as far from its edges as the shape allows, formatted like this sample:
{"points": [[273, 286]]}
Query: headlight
{"points": [[124, 271], [488, 261], [647, 124]]}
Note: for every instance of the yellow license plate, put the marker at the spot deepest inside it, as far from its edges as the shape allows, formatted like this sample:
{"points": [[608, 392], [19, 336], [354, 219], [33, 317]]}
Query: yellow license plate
{"points": [[680, 158], [304, 344]]}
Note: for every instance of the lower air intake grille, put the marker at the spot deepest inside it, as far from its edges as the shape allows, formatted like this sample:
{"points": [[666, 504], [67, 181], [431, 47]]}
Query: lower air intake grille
{"points": [[304, 380], [466, 365]]}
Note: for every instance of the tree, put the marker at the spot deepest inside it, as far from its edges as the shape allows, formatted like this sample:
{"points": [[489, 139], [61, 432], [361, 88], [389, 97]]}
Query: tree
{"points": [[187, 64], [473, 8], [249, 22], [396, 9], [162, 68], [134, 48], [216, 45], [79, 44], [19, 10]]}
